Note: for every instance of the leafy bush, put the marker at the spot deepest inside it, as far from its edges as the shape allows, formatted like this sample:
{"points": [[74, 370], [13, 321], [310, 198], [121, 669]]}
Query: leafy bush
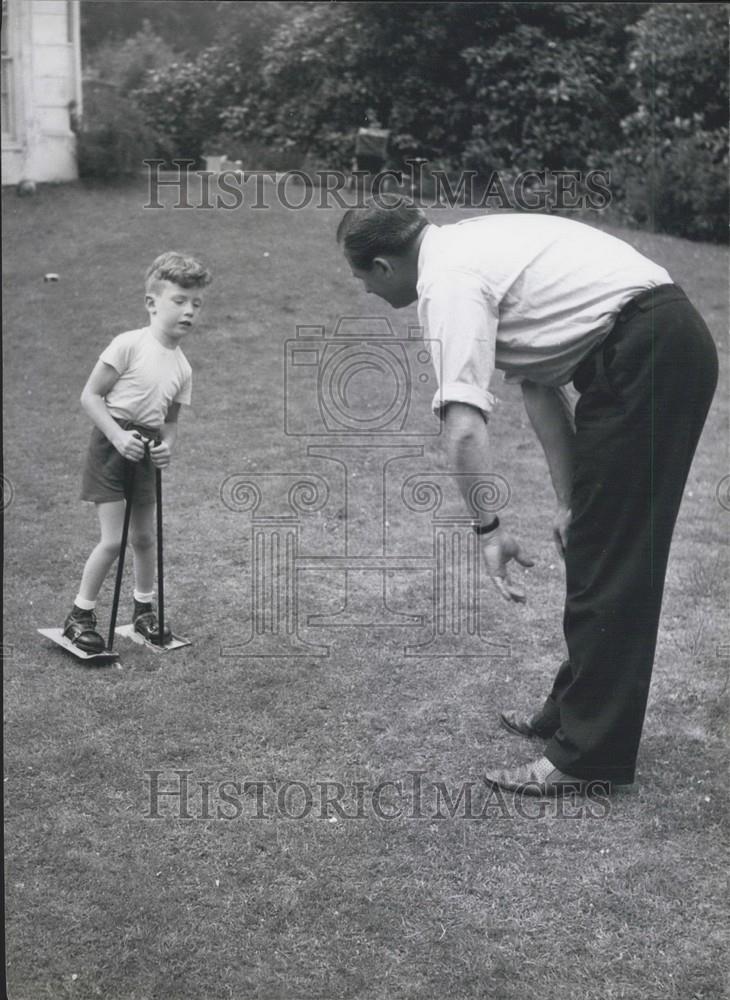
{"points": [[639, 89], [189, 103], [114, 136], [678, 186], [671, 171], [678, 61], [493, 81], [189, 25], [496, 81], [545, 93], [183, 103], [126, 63]]}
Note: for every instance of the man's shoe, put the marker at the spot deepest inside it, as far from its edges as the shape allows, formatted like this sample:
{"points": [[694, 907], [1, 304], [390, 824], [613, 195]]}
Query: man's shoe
{"points": [[520, 725], [80, 629], [541, 778], [145, 622]]}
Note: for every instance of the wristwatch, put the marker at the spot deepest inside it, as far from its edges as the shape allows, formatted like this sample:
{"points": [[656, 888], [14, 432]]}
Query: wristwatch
{"points": [[485, 529]]}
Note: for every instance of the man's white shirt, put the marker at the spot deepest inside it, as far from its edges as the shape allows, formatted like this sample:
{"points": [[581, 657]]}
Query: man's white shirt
{"points": [[528, 294]]}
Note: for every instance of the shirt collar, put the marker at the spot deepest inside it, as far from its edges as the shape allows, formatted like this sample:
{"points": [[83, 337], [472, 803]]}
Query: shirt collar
{"points": [[428, 240]]}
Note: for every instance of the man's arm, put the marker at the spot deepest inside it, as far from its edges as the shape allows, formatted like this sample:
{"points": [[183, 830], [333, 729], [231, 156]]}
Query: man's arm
{"points": [[551, 416], [468, 448], [467, 443]]}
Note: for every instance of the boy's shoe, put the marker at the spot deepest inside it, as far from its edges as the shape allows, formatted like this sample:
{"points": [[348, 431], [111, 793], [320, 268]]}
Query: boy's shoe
{"points": [[80, 629], [145, 622]]}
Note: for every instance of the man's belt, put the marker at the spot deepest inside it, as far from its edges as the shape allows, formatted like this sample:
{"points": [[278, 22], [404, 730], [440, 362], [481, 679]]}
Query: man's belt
{"points": [[643, 302]]}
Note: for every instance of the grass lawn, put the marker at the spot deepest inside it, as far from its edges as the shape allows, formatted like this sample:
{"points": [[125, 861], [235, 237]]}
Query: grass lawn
{"points": [[388, 897]]}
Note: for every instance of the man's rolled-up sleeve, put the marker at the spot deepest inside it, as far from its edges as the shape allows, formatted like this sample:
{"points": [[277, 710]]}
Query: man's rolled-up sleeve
{"points": [[456, 310]]}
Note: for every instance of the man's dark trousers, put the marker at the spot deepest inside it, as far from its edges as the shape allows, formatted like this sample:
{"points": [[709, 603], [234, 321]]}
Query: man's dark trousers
{"points": [[644, 398]]}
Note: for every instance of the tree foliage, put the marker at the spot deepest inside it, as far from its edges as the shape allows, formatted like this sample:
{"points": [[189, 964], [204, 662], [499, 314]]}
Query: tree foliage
{"points": [[114, 136], [678, 61], [125, 64], [673, 163], [489, 86], [185, 25], [544, 93], [188, 100], [491, 81]]}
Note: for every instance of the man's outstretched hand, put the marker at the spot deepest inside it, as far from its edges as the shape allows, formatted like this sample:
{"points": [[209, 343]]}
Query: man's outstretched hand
{"points": [[498, 549]]}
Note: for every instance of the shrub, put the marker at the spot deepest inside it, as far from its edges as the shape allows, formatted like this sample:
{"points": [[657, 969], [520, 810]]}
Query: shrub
{"points": [[113, 137], [671, 171], [678, 186], [126, 63], [184, 102], [187, 101], [553, 116]]}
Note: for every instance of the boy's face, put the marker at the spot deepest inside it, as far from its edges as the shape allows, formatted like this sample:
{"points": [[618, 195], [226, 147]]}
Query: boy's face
{"points": [[174, 310]]}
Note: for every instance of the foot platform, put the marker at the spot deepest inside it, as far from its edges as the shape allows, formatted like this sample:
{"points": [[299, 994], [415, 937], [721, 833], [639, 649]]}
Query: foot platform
{"points": [[129, 632], [56, 635]]}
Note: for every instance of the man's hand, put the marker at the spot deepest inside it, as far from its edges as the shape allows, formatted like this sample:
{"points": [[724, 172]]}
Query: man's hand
{"points": [[160, 454], [560, 530], [130, 445], [497, 550]]}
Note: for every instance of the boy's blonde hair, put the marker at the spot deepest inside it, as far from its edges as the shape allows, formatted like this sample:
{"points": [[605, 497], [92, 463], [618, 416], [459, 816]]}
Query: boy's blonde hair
{"points": [[181, 269]]}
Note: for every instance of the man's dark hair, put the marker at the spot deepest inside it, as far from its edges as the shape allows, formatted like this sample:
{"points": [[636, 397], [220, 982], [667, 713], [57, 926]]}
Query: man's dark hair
{"points": [[376, 229]]}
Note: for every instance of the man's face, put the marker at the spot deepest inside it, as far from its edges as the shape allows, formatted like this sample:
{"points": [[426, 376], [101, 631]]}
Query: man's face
{"points": [[389, 279], [174, 310]]}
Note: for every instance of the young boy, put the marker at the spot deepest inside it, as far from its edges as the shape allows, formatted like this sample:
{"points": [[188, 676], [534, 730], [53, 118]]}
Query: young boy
{"points": [[133, 396]]}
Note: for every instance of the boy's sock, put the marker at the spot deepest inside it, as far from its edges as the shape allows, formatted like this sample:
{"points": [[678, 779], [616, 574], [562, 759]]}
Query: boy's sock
{"points": [[142, 597], [81, 604]]}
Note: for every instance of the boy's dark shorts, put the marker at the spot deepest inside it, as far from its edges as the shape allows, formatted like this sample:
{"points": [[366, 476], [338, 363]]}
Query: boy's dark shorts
{"points": [[107, 475]]}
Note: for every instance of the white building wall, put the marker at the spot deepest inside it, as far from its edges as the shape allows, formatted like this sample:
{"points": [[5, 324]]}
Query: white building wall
{"points": [[45, 46]]}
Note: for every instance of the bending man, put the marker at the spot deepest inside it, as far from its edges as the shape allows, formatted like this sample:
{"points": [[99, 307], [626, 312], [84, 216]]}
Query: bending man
{"points": [[551, 301]]}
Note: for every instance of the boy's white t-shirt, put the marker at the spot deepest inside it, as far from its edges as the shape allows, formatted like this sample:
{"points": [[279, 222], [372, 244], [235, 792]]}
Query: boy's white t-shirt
{"points": [[151, 378]]}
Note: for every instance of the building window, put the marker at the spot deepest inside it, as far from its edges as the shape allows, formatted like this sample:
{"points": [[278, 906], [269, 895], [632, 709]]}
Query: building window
{"points": [[7, 109]]}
